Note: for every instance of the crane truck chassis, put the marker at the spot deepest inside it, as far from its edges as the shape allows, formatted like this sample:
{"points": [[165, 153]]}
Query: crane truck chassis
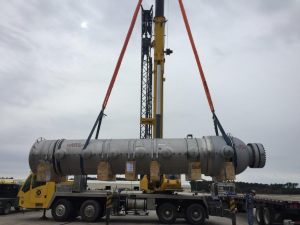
{"points": [[66, 201], [70, 199]]}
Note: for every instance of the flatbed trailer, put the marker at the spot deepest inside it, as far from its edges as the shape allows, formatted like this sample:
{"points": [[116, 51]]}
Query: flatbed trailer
{"points": [[274, 209]]}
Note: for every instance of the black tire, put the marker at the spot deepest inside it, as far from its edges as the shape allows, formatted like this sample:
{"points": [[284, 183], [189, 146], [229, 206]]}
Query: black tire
{"points": [[195, 214], [61, 210], [259, 216], [90, 210], [166, 213], [268, 216], [17, 208], [7, 208]]}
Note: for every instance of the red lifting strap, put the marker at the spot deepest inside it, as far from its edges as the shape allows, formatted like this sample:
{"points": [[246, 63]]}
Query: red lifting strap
{"points": [[186, 22], [115, 74]]}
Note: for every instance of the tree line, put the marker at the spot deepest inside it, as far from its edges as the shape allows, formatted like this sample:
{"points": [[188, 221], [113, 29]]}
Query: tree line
{"points": [[245, 187]]}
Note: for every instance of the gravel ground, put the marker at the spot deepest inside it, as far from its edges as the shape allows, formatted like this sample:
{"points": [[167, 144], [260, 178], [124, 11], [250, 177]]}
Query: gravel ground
{"points": [[34, 217]]}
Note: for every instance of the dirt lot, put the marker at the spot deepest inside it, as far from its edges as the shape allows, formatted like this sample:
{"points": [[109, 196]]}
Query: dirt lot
{"points": [[33, 217]]}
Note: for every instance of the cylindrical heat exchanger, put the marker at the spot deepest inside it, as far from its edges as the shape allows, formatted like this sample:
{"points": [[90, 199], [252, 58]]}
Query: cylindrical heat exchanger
{"points": [[67, 157]]}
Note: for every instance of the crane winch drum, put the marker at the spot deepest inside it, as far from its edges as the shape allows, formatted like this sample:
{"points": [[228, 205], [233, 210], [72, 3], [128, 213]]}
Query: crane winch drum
{"points": [[67, 157]]}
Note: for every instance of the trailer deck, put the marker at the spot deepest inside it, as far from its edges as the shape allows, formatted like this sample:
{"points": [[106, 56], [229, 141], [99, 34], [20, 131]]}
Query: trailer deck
{"points": [[280, 198]]}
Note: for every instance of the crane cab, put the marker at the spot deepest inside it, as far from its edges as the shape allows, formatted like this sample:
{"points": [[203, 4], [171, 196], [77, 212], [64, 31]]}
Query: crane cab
{"points": [[35, 194]]}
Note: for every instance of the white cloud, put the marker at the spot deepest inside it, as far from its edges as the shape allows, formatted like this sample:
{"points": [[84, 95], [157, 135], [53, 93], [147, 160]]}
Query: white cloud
{"points": [[54, 74]]}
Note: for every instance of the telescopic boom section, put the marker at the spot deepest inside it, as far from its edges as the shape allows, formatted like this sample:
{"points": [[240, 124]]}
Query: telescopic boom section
{"points": [[159, 61]]}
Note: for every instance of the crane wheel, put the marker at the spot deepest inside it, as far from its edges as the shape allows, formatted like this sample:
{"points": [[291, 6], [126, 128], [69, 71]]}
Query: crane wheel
{"points": [[90, 211], [61, 210], [167, 213], [195, 214]]}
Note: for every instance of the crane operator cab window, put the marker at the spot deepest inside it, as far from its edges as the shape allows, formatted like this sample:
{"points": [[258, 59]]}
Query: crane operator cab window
{"points": [[26, 186], [31, 181]]}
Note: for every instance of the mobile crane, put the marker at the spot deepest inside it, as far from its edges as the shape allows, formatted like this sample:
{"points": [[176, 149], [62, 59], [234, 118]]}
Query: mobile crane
{"points": [[156, 160]]}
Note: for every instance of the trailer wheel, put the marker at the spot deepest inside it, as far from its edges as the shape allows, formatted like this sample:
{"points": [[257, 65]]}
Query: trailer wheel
{"points": [[268, 216], [90, 211], [166, 213], [195, 214], [7, 208], [61, 210], [259, 216]]}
